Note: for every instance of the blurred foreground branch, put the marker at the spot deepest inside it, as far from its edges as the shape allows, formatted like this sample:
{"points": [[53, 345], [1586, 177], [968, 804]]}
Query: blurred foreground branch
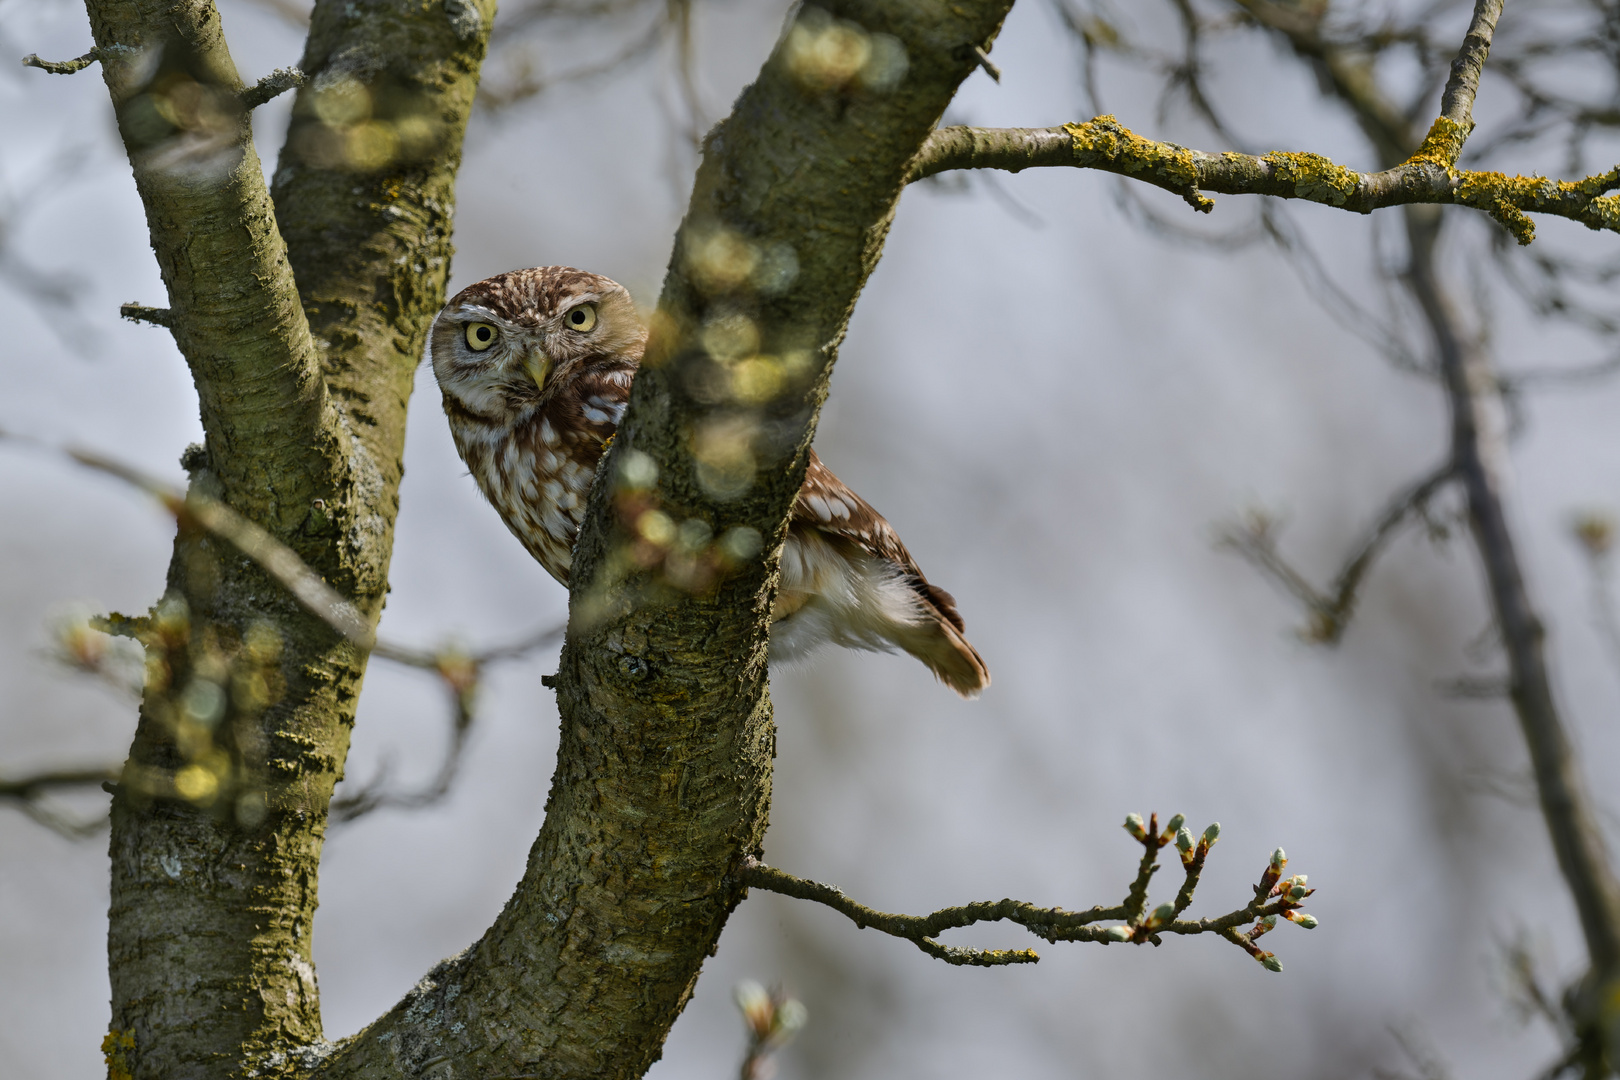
{"points": [[773, 1019], [460, 671], [1274, 896]]}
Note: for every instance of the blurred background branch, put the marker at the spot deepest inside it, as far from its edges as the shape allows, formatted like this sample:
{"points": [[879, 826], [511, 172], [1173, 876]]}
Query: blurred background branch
{"points": [[1343, 51]]}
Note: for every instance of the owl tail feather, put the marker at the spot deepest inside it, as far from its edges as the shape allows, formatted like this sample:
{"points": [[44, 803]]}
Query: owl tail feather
{"points": [[942, 646]]}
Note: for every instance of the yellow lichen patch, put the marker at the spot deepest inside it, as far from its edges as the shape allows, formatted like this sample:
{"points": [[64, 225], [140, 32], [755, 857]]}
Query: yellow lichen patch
{"points": [[1107, 138], [1442, 145], [1605, 213], [1501, 196], [118, 1048], [1314, 177]]}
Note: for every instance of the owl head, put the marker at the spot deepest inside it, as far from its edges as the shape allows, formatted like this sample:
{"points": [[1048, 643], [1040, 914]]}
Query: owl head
{"points": [[509, 342]]}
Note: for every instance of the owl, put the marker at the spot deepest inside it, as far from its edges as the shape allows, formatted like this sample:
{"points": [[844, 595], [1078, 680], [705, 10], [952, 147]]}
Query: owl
{"points": [[535, 369]]}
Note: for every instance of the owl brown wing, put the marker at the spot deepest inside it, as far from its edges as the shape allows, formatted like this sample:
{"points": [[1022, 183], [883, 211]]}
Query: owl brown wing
{"points": [[830, 506], [592, 404]]}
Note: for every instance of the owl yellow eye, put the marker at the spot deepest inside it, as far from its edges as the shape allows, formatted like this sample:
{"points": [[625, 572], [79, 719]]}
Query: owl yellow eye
{"points": [[480, 336], [582, 318]]}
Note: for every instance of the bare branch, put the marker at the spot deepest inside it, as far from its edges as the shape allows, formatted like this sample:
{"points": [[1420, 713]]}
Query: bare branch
{"points": [[459, 670], [157, 316], [26, 788], [62, 67], [990, 68], [1457, 103], [1107, 145], [1273, 897], [283, 564], [26, 793], [276, 83], [1330, 612], [462, 674]]}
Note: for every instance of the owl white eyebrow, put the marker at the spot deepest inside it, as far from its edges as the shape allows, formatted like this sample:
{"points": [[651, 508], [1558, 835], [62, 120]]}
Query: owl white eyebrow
{"points": [[480, 311]]}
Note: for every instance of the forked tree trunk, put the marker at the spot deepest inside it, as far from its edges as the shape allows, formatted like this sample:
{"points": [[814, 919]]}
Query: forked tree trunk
{"points": [[303, 325]]}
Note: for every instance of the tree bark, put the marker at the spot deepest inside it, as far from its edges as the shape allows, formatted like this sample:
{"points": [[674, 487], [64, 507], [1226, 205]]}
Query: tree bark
{"points": [[664, 767], [217, 826]]}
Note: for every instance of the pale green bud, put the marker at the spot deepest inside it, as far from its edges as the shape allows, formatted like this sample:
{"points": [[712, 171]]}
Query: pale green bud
{"points": [[1119, 933], [1175, 823], [1299, 918], [790, 1017], [1212, 833], [1134, 826], [1278, 859], [1184, 840], [1271, 963], [1163, 913]]}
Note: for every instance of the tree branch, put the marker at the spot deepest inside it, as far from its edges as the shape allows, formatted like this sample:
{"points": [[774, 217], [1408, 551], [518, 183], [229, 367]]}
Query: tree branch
{"points": [[1457, 102], [1107, 145], [1273, 897], [1330, 612], [25, 792], [303, 324], [663, 774], [62, 67], [273, 85]]}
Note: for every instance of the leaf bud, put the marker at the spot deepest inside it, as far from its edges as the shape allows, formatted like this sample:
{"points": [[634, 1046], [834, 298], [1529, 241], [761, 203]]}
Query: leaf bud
{"points": [[1271, 963], [1162, 914], [1184, 840], [1212, 833], [1278, 859], [1299, 918], [790, 1017], [1119, 933], [755, 1005], [1269, 922], [1134, 826], [1175, 823]]}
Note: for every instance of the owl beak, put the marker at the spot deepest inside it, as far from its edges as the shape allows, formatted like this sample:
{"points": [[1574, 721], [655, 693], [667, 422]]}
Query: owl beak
{"points": [[538, 365]]}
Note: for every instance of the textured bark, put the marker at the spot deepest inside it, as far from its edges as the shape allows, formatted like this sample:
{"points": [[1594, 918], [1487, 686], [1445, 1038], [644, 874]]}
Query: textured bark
{"points": [[663, 775], [213, 898]]}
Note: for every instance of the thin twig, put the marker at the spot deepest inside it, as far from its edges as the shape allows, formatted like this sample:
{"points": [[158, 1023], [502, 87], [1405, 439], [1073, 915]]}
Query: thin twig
{"points": [[1331, 611], [26, 793], [986, 63], [141, 313], [62, 67], [273, 85], [1273, 897], [459, 670]]}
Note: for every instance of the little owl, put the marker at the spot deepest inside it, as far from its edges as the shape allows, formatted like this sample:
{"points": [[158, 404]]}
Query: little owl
{"points": [[535, 368]]}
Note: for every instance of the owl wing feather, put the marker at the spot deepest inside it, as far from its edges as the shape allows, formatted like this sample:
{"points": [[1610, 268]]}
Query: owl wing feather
{"points": [[889, 600]]}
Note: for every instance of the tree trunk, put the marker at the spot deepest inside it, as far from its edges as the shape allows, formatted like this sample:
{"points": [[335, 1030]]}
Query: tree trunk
{"points": [[302, 325]]}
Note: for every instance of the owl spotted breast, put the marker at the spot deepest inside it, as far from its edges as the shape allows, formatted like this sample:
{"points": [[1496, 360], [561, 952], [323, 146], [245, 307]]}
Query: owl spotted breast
{"points": [[535, 368]]}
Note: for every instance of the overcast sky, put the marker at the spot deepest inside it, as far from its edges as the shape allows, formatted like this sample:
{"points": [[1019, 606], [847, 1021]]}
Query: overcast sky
{"points": [[1057, 411]]}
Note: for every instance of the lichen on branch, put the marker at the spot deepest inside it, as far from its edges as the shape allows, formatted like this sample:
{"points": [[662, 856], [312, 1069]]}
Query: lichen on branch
{"points": [[1428, 176]]}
